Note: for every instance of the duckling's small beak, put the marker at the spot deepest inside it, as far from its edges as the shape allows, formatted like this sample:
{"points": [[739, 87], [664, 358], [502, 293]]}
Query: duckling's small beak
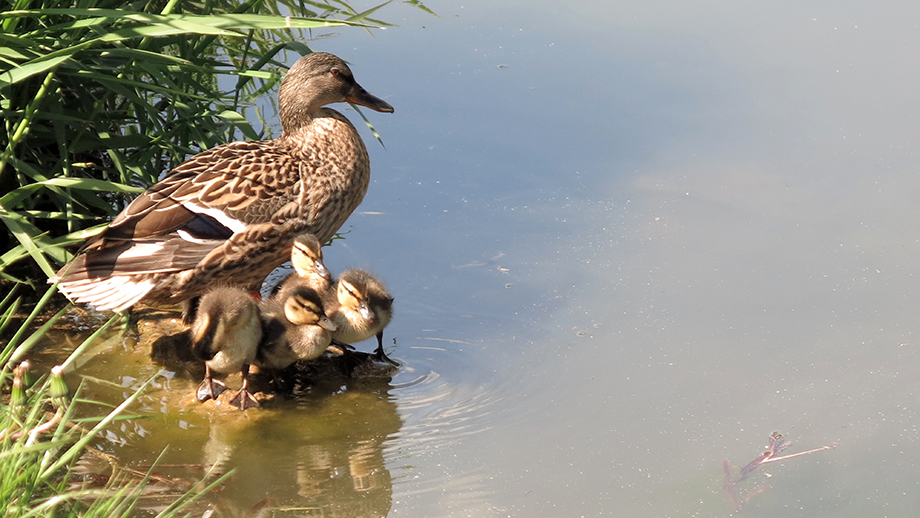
{"points": [[362, 97], [321, 270], [327, 324], [365, 311]]}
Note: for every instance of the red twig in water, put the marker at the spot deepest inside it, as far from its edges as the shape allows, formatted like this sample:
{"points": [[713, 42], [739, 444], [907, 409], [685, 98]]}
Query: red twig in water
{"points": [[778, 443]]}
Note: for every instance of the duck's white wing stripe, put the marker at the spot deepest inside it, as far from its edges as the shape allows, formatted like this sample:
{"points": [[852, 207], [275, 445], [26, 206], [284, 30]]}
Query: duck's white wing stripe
{"points": [[141, 249], [218, 215], [191, 239]]}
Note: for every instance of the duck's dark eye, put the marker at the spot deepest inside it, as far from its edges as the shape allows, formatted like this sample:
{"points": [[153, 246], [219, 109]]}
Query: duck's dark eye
{"points": [[334, 72]]}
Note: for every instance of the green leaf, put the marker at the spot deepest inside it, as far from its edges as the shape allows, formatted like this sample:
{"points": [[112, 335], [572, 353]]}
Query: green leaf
{"points": [[27, 234], [12, 198], [30, 69]]}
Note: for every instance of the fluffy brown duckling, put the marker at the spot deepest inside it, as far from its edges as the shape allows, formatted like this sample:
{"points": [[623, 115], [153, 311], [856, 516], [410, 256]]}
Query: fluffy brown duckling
{"points": [[225, 334], [295, 328], [309, 270], [361, 307]]}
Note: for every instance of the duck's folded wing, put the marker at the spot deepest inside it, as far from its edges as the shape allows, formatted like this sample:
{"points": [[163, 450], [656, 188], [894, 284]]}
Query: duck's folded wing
{"points": [[213, 195], [169, 254], [185, 217], [216, 211]]}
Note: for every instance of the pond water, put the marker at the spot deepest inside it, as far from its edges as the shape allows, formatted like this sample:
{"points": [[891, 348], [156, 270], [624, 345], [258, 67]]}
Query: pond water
{"points": [[627, 241]]}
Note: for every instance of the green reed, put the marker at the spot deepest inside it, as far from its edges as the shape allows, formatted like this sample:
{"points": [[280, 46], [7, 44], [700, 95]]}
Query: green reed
{"points": [[100, 97], [44, 433]]}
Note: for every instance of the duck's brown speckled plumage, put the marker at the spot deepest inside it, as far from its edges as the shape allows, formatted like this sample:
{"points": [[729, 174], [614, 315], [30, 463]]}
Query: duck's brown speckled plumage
{"points": [[228, 215]]}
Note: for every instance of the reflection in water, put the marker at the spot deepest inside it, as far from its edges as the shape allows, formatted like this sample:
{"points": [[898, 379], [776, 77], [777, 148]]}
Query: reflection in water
{"points": [[319, 452], [326, 451], [322, 454]]}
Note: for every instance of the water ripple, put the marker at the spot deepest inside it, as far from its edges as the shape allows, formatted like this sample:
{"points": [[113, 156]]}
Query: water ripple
{"points": [[444, 394]]}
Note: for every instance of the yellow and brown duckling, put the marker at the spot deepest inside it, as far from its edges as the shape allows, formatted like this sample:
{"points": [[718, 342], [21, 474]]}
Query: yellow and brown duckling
{"points": [[309, 270], [229, 215], [361, 307], [226, 334], [295, 328]]}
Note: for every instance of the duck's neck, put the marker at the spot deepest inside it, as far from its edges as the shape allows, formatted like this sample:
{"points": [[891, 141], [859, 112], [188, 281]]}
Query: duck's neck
{"points": [[297, 130], [295, 116], [324, 128]]}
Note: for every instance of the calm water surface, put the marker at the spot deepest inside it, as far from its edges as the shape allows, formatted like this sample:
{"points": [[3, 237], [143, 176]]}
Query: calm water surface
{"points": [[627, 241]]}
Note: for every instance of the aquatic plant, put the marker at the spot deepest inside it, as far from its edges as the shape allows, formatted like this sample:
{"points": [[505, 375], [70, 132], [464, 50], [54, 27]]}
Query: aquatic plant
{"points": [[45, 437], [730, 483]]}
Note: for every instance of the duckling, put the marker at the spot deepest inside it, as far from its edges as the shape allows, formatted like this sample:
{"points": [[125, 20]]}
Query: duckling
{"points": [[295, 328], [361, 307], [229, 214], [225, 334], [309, 270]]}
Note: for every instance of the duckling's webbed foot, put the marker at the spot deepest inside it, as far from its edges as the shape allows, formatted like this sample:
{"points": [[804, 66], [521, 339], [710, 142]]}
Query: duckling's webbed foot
{"points": [[210, 388], [244, 399], [380, 355]]}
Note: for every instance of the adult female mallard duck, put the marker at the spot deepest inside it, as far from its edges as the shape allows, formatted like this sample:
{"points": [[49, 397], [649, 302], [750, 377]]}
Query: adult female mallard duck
{"points": [[226, 334], [361, 307], [309, 270], [228, 215], [295, 328]]}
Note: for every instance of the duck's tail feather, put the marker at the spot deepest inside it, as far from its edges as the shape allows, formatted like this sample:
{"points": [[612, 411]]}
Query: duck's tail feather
{"points": [[113, 293]]}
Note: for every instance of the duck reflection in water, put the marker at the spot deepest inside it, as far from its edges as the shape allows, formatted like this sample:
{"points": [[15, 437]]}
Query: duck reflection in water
{"points": [[313, 453]]}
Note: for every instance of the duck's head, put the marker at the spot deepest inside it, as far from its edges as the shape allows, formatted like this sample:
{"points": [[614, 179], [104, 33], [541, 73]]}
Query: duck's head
{"points": [[304, 307], [351, 290], [318, 79], [307, 257]]}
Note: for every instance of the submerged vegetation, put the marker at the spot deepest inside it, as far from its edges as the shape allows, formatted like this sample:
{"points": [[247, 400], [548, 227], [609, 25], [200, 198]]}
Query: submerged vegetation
{"points": [[99, 99]]}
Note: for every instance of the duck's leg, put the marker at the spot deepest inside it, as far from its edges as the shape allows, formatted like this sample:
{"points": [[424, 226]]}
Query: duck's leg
{"points": [[381, 356], [210, 388], [243, 399]]}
